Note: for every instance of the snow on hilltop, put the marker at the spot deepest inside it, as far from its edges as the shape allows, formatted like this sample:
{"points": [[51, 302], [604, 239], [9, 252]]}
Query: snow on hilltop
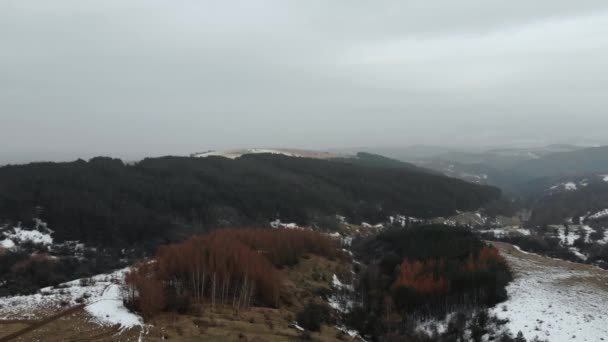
{"points": [[233, 154]]}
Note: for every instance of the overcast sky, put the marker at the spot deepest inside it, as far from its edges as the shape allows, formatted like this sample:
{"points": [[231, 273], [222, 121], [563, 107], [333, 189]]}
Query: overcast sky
{"points": [[130, 78]]}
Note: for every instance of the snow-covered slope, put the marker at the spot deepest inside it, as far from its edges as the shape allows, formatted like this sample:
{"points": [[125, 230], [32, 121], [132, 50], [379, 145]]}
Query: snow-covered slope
{"points": [[555, 300]]}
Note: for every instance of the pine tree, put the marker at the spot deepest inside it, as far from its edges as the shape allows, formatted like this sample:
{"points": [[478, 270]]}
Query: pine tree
{"points": [[520, 337]]}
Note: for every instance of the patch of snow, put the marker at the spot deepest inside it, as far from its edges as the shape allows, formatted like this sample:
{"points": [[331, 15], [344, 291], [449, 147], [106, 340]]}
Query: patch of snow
{"points": [[521, 250], [341, 219], [340, 304], [598, 215], [34, 236], [341, 300], [347, 241], [573, 233], [336, 282], [507, 231], [295, 325], [430, 326], [7, 243], [568, 186], [450, 223], [578, 253], [109, 309], [523, 231], [278, 224], [349, 332]]}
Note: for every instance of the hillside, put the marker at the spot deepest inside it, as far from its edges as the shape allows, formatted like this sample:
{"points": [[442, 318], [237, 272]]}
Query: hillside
{"points": [[588, 160], [376, 160], [103, 201], [571, 198], [93, 308], [503, 167], [554, 299]]}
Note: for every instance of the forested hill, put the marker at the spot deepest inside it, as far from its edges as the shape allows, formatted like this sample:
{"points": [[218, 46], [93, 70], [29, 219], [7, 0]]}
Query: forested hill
{"points": [[105, 201], [376, 160], [587, 160]]}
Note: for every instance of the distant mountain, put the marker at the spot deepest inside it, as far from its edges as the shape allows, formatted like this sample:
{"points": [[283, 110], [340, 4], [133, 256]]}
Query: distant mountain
{"points": [[502, 158], [496, 166], [587, 160], [103, 201]]}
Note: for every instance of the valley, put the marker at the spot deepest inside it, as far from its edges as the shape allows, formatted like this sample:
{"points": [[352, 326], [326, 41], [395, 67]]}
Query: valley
{"points": [[307, 171], [408, 262]]}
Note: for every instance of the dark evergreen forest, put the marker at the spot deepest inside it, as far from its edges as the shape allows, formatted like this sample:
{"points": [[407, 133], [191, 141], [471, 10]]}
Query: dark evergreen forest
{"points": [[107, 202]]}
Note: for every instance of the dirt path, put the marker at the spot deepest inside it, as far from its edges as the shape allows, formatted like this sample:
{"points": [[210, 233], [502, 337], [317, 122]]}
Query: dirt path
{"points": [[41, 323]]}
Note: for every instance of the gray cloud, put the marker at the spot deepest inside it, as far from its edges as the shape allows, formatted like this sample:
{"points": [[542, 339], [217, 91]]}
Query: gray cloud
{"points": [[131, 77]]}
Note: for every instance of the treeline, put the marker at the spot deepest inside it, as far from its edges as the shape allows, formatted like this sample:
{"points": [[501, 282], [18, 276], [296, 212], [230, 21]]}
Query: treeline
{"points": [[421, 273], [106, 202], [236, 267]]}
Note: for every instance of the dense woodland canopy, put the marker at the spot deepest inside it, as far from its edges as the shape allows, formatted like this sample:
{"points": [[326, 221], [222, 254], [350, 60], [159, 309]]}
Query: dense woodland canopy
{"points": [[104, 201], [425, 271]]}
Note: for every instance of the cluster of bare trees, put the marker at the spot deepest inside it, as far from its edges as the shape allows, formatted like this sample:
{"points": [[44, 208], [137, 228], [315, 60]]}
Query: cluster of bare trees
{"points": [[227, 267]]}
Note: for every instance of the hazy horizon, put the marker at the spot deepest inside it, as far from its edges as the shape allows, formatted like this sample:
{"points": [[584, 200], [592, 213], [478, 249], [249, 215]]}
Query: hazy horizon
{"points": [[135, 78]]}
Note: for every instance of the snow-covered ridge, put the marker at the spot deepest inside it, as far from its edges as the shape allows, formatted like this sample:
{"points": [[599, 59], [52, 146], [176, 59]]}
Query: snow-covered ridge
{"points": [[233, 154]]}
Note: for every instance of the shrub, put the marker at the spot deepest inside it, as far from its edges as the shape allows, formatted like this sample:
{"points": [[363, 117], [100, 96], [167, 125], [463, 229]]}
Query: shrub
{"points": [[313, 316]]}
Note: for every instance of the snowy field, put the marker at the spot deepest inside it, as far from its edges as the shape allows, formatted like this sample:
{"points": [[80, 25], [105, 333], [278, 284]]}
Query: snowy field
{"points": [[555, 300]]}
